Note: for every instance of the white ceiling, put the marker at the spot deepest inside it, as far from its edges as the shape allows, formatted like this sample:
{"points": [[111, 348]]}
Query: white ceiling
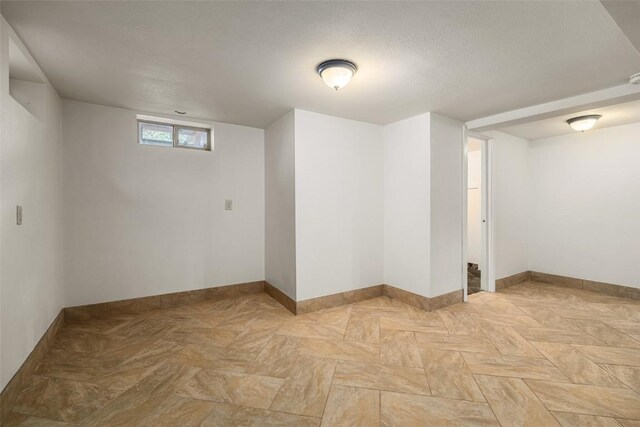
{"points": [[251, 62], [614, 115]]}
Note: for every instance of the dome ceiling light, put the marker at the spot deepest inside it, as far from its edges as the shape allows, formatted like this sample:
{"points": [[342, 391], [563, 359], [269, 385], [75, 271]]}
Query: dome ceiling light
{"points": [[337, 73], [583, 123]]}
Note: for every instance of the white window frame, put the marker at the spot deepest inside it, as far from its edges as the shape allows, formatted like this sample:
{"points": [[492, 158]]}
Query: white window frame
{"points": [[176, 126]]}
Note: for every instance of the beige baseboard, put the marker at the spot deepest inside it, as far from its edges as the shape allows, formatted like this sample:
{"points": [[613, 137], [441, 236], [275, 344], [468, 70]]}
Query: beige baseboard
{"points": [[139, 305], [569, 282], [357, 295], [285, 300], [10, 393], [341, 298], [587, 285], [506, 282]]}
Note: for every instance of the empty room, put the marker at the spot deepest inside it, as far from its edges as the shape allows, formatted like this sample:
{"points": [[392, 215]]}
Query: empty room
{"points": [[317, 213]]}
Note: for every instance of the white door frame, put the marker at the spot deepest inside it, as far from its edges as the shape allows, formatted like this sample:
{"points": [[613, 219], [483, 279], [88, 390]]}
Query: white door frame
{"points": [[487, 277]]}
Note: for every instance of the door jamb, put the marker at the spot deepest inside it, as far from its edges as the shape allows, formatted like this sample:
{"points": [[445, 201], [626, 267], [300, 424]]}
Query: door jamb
{"points": [[487, 212]]}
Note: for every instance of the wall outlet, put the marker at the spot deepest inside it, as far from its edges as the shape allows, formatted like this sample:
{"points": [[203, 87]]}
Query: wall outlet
{"points": [[18, 215], [228, 205]]}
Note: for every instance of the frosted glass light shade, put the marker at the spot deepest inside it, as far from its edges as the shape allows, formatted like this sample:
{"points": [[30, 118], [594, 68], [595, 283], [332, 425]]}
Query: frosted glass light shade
{"points": [[337, 73], [583, 123]]}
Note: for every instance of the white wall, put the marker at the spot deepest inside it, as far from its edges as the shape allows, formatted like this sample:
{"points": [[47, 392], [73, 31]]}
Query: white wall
{"points": [[339, 204], [280, 222], [145, 220], [510, 202], [31, 294], [474, 206], [446, 205], [584, 205], [406, 204]]}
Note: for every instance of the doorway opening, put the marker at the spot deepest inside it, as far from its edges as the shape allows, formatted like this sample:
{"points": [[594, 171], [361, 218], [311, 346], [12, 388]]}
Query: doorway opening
{"points": [[477, 260], [474, 215]]}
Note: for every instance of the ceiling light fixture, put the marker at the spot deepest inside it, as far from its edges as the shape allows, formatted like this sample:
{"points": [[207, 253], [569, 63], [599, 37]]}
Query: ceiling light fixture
{"points": [[337, 73], [583, 123]]}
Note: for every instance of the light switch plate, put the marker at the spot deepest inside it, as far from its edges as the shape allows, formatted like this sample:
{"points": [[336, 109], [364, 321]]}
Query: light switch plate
{"points": [[18, 215], [228, 205]]}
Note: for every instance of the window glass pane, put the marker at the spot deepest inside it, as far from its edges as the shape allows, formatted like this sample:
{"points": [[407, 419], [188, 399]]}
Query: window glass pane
{"points": [[194, 138], [154, 134]]}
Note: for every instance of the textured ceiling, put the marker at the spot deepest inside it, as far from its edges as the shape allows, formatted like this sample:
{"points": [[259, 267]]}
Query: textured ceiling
{"points": [[614, 115], [249, 63]]}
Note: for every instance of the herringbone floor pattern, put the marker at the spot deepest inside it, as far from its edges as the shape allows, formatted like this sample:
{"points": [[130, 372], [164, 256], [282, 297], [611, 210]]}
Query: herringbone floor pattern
{"points": [[535, 355]]}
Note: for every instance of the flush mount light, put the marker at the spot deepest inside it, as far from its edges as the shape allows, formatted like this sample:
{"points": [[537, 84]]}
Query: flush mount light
{"points": [[583, 123], [337, 73]]}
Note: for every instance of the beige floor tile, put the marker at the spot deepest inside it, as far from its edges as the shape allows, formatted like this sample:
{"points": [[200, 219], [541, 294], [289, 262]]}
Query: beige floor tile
{"points": [[340, 350], [548, 318], [215, 336], [611, 355], [179, 411], [224, 415], [398, 409], [514, 403], [625, 326], [629, 375], [305, 391], [303, 328], [411, 324], [213, 357], [508, 341], [363, 327], [607, 334], [381, 377], [277, 357], [338, 317], [449, 375], [510, 366], [459, 323], [469, 343], [579, 368], [76, 366], [62, 400], [350, 406], [628, 423], [505, 319], [567, 419], [587, 399], [503, 306], [137, 403], [231, 387], [22, 420], [249, 350], [567, 336], [592, 312], [82, 341], [398, 348]]}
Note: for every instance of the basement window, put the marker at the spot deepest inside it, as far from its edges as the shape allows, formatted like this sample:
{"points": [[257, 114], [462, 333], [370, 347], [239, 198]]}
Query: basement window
{"points": [[173, 133]]}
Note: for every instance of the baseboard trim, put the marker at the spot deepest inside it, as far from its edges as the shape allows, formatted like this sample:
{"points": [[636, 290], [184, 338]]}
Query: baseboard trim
{"points": [[139, 305], [285, 300], [587, 285], [363, 294], [415, 300], [341, 298], [10, 393], [445, 300], [515, 279]]}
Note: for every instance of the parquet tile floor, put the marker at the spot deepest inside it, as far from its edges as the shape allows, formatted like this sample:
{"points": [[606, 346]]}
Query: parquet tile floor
{"points": [[532, 355]]}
